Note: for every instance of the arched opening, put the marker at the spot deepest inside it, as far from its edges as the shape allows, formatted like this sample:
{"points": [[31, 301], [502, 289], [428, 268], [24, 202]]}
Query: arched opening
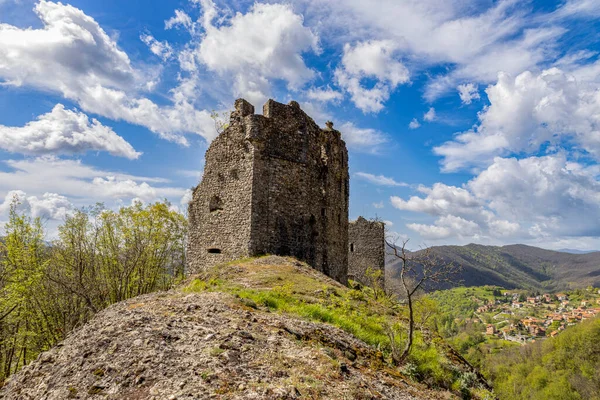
{"points": [[215, 204]]}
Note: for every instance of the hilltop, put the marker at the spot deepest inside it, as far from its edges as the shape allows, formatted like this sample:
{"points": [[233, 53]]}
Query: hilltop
{"points": [[520, 267], [266, 328]]}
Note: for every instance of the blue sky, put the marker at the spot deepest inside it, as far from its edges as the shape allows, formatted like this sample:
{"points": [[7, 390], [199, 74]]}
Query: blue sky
{"points": [[466, 121]]}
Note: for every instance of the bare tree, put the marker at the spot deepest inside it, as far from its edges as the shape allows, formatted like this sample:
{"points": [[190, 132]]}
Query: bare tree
{"points": [[418, 271]]}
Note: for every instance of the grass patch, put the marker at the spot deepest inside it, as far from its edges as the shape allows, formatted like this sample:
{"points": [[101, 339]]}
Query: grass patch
{"points": [[288, 288]]}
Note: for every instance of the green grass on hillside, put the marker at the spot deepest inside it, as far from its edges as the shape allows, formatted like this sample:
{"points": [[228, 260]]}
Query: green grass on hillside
{"points": [[294, 289]]}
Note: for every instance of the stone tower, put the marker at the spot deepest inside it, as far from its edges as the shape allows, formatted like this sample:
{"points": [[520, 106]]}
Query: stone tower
{"points": [[366, 249], [273, 184]]}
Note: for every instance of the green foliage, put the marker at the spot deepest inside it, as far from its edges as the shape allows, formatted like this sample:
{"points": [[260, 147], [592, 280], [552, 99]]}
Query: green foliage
{"points": [[100, 257], [25, 329]]}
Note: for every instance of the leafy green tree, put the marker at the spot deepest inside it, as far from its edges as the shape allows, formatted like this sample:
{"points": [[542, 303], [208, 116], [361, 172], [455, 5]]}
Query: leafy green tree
{"points": [[25, 328], [100, 257]]}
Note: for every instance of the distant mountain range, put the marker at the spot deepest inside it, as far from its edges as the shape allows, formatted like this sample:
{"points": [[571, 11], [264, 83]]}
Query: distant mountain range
{"points": [[520, 266], [575, 251]]}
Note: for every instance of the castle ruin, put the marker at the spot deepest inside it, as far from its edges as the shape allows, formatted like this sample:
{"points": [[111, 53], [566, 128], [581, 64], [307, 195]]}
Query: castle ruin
{"points": [[273, 184], [366, 250]]}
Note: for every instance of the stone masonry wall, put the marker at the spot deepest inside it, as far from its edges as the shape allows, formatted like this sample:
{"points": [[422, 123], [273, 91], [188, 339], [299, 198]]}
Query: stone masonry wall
{"points": [[300, 190], [289, 195], [366, 249], [220, 210]]}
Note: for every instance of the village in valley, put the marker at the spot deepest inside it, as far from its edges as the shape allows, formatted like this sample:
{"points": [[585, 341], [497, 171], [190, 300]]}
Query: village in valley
{"points": [[521, 316]]}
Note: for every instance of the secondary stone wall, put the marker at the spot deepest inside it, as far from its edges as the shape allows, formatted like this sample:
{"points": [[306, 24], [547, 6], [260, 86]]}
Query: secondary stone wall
{"points": [[366, 250], [290, 196]]}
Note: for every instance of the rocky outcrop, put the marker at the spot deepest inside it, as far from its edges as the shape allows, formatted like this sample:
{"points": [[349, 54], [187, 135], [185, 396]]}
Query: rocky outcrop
{"points": [[207, 345]]}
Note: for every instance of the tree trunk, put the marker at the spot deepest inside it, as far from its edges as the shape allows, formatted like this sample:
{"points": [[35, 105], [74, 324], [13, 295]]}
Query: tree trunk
{"points": [[411, 328]]}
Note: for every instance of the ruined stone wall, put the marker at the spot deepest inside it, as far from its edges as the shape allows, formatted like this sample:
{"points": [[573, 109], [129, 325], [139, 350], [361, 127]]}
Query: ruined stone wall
{"points": [[289, 195], [300, 198], [220, 210], [366, 249]]}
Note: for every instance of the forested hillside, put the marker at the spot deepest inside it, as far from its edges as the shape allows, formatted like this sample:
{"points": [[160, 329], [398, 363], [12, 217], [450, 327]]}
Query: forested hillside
{"points": [[520, 266], [564, 367]]}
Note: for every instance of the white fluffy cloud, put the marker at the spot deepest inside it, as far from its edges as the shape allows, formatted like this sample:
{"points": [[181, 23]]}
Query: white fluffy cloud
{"points": [[377, 60], [468, 92], [63, 131], [362, 139], [264, 44], [430, 115], [50, 206], [81, 183], [526, 112], [186, 198], [441, 200], [531, 199], [324, 95], [73, 56], [379, 180], [127, 188], [446, 227], [472, 39], [414, 124]]}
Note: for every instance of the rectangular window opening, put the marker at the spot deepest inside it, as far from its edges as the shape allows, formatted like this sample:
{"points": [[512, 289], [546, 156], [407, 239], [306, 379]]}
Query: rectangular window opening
{"points": [[214, 251]]}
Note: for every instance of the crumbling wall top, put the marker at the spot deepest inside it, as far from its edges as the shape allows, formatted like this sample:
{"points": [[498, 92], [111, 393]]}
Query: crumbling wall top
{"points": [[243, 108], [363, 221]]}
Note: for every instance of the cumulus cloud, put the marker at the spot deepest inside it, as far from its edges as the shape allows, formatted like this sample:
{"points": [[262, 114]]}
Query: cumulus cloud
{"points": [[119, 188], [75, 180], [473, 40], [264, 44], [526, 199], [324, 95], [376, 60], [429, 115], [50, 206], [414, 124], [440, 200], [362, 139], [73, 56], [526, 112], [186, 198], [379, 180], [63, 131], [468, 92], [446, 227]]}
